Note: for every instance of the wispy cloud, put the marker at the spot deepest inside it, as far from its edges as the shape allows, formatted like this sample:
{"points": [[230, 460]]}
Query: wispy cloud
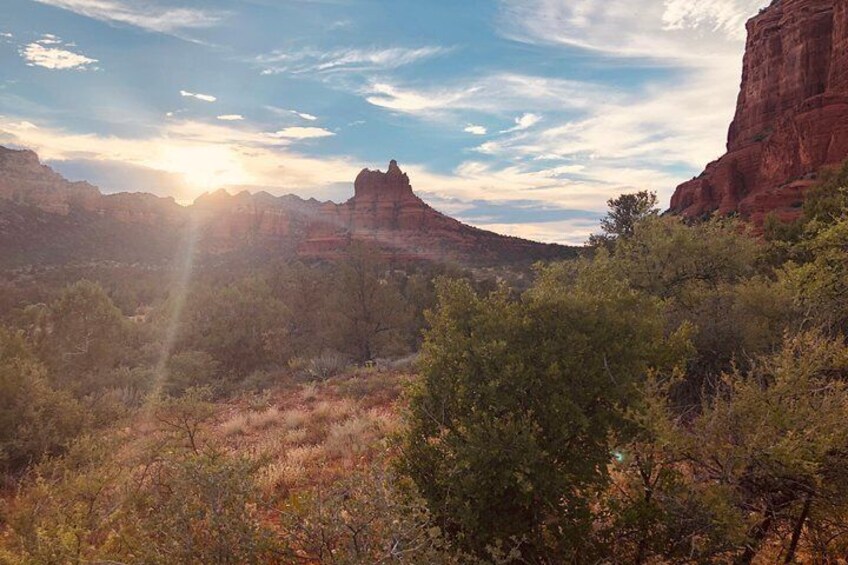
{"points": [[197, 96], [207, 156], [523, 122], [475, 129], [302, 133], [501, 93], [231, 117], [285, 113], [345, 60], [691, 32], [41, 54], [143, 14]]}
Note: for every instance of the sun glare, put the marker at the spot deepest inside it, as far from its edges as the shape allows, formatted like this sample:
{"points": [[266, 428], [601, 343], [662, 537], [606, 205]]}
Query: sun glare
{"points": [[205, 167]]}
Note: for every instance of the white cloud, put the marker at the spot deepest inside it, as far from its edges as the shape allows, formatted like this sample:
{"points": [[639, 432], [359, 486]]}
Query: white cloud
{"points": [[203, 97], [7, 35], [302, 133], [525, 121], [725, 16], [408, 100], [231, 117], [283, 112], [55, 58], [699, 32], [475, 130], [345, 60], [207, 156], [566, 232], [49, 39], [500, 93], [146, 15]]}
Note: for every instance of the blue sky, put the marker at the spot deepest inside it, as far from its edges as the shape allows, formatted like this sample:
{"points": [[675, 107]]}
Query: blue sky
{"points": [[521, 116]]}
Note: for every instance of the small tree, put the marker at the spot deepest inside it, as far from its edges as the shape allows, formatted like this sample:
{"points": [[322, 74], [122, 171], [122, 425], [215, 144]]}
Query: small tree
{"points": [[624, 213], [82, 333], [371, 313], [763, 462], [508, 429], [35, 420]]}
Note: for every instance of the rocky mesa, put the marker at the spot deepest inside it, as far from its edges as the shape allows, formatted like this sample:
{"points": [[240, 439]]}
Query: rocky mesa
{"points": [[791, 116]]}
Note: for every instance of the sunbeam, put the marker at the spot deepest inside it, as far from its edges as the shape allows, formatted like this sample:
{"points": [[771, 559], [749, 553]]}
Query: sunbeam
{"points": [[185, 259]]}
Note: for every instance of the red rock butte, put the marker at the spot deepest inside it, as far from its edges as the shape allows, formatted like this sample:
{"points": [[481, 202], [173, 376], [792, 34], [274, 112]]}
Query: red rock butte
{"points": [[791, 116], [384, 212]]}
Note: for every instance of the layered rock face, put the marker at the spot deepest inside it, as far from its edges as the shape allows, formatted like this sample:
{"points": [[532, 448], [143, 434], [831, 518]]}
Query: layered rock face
{"points": [[26, 181], [791, 117], [44, 216], [384, 212]]}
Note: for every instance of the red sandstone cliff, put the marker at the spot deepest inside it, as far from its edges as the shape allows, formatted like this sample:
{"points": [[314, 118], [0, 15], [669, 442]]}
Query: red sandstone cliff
{"points": [[384, 212], [25, 180], [42, 215], [791, 116]]}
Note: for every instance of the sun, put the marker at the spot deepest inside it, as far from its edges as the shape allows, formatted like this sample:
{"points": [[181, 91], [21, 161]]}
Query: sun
{"points": [[205, 167]]}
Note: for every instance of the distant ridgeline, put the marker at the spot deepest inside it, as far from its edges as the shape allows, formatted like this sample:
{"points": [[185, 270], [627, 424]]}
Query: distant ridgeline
{"points": [[791, 116], [45, 219]]}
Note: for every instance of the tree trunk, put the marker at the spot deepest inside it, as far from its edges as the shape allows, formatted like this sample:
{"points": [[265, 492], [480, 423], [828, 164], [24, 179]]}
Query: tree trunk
{"points": [[757, 535], [799, 528]]}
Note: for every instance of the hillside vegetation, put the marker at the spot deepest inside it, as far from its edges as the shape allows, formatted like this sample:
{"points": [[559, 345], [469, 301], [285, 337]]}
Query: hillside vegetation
{"points": [[676, 395]]}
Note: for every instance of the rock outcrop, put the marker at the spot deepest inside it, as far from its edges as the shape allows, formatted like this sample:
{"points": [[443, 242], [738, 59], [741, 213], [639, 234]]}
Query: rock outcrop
{"points": [[24, 180], [384, 212], [42, 215], [791, 117]]}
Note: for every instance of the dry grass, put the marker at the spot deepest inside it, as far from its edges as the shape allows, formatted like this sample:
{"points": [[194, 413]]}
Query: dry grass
{"points": [[247, 422], [330, 411], [351, 438], [317, 432], [295, 418]]}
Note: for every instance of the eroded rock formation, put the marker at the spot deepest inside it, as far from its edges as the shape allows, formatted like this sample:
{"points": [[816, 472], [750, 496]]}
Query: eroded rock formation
{"points": [[791, 117], [384, 212], [44, 215]]}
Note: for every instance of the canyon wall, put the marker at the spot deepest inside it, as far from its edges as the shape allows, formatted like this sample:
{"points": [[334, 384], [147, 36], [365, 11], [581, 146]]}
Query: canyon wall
{"points": [[791, 116]]}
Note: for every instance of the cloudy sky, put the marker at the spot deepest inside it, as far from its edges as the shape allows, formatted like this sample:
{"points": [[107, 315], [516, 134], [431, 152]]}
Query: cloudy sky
{"points": [[521, 116]]}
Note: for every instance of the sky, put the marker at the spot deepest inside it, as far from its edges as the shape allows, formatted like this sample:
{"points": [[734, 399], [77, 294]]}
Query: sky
{"points": [[519, 116]]}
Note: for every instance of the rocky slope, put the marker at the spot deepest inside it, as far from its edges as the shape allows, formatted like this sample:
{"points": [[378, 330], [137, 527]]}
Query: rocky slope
{"points": [[384, 212], [791, 117], [45, 217]]}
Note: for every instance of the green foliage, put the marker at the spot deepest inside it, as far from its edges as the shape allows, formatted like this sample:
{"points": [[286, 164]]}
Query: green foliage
{"points": [[370, 517], [711, 275], [80, 334], [189, 369], [668, 259], [159, 506], [35, 420], [239, 325], [508, 429], [200, 509], [369, 313], [827, 201], [625, 212], [766, 454], [820, 285]]}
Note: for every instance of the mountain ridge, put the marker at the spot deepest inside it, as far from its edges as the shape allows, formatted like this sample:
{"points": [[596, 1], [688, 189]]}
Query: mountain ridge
{"points": [[383, 212]]}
